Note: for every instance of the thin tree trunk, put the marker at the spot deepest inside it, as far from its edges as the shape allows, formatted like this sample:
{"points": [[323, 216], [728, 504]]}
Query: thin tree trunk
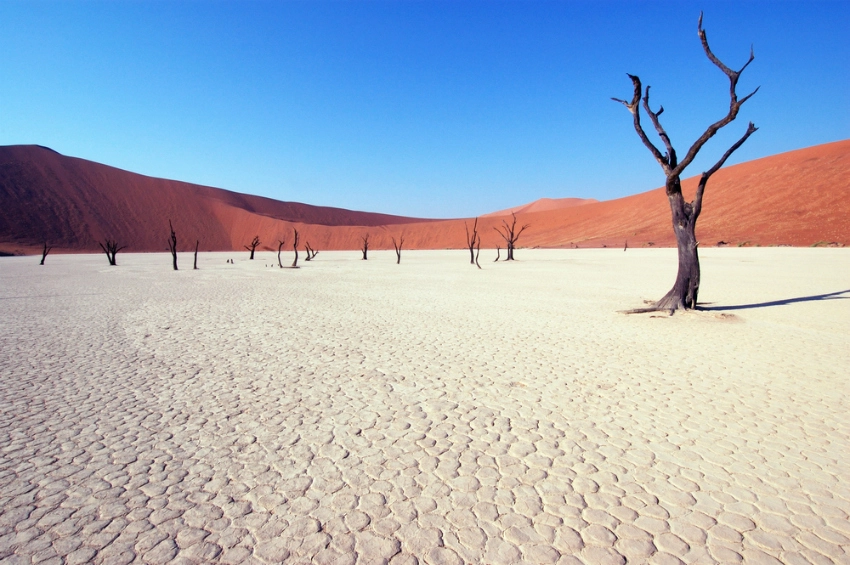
{"points": [[44, 253], [196, 254]]}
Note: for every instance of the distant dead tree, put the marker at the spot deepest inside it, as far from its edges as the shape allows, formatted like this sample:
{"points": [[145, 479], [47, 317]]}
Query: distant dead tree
{"points": [[295, 248], [397, 245], [683, 295], [510, 234], [44, 253], [311, 253], [172, 245], [197, 242], [471, 240], [478, 252], [111, 248], [498, 252], [253, 245], [280, 243], [365, 247]]}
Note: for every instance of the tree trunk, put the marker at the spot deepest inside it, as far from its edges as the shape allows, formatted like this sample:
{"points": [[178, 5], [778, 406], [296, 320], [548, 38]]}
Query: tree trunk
{"points": [[197, 242], [684, 293]]}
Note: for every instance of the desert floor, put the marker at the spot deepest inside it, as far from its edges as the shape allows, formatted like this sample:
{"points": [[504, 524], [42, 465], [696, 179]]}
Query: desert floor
{"points": [[428, 412]]}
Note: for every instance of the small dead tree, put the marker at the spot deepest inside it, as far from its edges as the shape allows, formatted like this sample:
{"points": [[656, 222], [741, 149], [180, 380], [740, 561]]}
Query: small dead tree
{"points": [[398, 245], [684, 293], [311, 253], [280, 243], [477, 253], [472, 239], [365, 247], [498, 252], [197, 242], [44, 253], [510, 234], [111, 248], [295, 248], [172, 245], [253, 245]]}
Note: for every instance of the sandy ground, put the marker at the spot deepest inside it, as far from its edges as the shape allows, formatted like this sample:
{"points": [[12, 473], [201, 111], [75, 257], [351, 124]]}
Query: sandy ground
{"points": [[426, 412]]}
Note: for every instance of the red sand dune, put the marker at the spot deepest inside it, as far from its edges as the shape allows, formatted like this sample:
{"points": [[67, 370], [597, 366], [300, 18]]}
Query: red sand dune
{"points": [[543, 205], [795, 198]]}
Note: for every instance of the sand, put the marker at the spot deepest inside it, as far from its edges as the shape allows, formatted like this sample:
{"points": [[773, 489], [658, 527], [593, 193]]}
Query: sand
{"points": [[427, 412]]}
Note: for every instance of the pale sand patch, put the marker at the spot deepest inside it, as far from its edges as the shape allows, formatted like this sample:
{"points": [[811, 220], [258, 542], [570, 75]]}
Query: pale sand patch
{"points": [[373, 412]]}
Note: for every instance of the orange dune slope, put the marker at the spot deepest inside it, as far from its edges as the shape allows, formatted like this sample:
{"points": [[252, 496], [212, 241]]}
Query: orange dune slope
{"points": [[73, 203], [795, 198]]}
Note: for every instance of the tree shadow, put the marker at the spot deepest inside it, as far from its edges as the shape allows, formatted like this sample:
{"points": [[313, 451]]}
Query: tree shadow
{"points": [[829, 296]]}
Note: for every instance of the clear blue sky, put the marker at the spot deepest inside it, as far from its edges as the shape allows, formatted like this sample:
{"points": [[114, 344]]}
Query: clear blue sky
{"points": [[430, 109]]}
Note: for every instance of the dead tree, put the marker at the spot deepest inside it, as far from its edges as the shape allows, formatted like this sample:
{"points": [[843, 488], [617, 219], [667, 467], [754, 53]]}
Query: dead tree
{"points": [[684, 293], [295, 248], [197, 242], [253, 245], [280, 243], [398, 244], [311, 253], [365, 247], [111, 248], [477, 253], [510, 234], [172, 245], [44, 253], [472, 239], [498, 252]]}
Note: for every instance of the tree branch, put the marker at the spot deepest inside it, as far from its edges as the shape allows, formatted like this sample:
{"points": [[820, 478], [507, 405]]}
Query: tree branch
{"points": [[653, 116], [734, 103], [635, 110], [697, 206]]}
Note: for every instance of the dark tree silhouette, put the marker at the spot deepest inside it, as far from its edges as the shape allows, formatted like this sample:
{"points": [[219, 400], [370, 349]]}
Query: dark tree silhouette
{"points": [[295, 248], [471, 240], [280, 243], [365, 247], [111, 248], [253, 245], [197, 242], [510, 234], [498, 252], [44, 253], [398, 244], [477, 253], [311, 253], [172, 245], [684, 293]]}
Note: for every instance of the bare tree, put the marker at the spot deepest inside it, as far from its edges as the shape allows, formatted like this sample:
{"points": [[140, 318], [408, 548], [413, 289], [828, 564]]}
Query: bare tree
{"points": [[365, 247], [498, 252], [280, 243], [197, 242], [510, 234], [111, 248], [253, 245], [311, 253], [172, 245], [477, 253], [472, 239], [44, 253], [683, 295], [295, 248], [398, 244]]}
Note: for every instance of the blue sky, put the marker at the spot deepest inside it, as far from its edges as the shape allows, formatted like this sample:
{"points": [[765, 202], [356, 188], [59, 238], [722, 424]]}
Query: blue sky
{"points": [[430, 109]]}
